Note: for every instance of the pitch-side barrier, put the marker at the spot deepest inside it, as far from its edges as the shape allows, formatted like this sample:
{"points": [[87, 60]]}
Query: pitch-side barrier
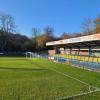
{"points": [[79, 63]]}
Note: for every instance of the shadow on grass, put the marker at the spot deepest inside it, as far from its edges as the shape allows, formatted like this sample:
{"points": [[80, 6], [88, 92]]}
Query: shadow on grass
{"points": [[23, 69]]}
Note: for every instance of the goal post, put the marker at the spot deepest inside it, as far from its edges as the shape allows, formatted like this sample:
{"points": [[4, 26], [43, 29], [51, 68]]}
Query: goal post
{"points": [[35, 55], [29, 54]]}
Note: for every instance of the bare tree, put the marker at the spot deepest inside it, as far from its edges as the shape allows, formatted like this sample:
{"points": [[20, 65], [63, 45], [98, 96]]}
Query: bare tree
{"points": [[36, 34], [77, 34], [97, 24], [7, 23], [65, 36], [87, 26], [48, 32]]}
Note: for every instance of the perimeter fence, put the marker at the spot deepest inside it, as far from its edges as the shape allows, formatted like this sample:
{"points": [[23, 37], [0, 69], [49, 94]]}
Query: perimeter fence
{"points": [[92, 63]]}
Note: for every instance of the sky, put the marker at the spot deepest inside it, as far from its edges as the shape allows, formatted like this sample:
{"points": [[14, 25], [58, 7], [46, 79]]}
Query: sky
{"points": [[63, 15]]}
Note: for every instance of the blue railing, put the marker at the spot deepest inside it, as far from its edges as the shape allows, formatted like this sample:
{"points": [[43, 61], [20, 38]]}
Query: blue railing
{"points": [[86, 64], [79, 63]]}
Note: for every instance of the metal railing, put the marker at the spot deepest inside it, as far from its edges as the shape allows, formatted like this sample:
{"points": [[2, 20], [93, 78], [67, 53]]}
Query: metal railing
{"points": [[85, 64]]}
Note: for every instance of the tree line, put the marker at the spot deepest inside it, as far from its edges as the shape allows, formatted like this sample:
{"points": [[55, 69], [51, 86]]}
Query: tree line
{"points": [[10, 40]]}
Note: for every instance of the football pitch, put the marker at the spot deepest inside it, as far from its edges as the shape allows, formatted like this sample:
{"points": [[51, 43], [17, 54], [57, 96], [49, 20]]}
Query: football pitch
{"points": [[40, 79]]}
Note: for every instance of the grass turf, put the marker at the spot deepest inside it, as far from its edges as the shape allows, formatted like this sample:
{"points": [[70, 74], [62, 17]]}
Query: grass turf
{"points": [[29, 79]]}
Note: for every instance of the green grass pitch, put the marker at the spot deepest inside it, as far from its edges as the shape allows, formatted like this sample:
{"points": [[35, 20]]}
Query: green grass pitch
{"points": [[36, 79]]}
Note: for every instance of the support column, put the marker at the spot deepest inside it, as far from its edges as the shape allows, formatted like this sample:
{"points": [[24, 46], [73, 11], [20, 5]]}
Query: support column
{"points": [[89, 51], [55, 48], [78, 51], [64, 50], [70, 50]]}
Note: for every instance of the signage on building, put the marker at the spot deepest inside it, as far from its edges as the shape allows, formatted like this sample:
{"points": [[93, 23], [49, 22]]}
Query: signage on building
{"points": [[76, 40], [96, 37]]}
